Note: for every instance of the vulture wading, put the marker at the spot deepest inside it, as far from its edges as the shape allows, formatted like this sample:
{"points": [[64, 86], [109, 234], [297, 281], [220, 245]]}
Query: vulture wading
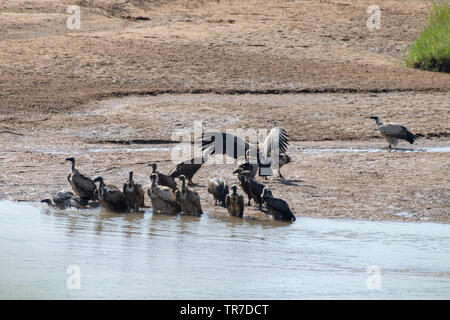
{"points": [[110, 197], [134, 193], [163, 198], [235, 203], [218, 187], [189, 200], [277, 207], [82, 186]]}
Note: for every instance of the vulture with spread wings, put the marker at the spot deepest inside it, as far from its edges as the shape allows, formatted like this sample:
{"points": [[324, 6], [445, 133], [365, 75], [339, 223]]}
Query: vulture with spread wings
{"points": [[267, 153]]}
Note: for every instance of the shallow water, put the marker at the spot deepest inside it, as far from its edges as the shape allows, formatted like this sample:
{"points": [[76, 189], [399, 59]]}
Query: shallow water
{"points": [[160, 257], [373, 150]]}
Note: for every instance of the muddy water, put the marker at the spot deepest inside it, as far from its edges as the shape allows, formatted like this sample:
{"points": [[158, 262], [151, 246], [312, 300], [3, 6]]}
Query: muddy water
{"points": [[159, 257]]}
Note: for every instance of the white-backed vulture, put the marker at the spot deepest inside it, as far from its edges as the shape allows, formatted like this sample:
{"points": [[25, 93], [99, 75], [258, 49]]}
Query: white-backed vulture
{"points": [[218, 187], [164, 180], [82, 186], [134, 193], [187, 169], [277, 207], [235, 203], [189, 200], [276, 141], [63, 200], [244, 183], [393, 132], [284, 159], [252, 187], [110, 197], [163, 198]]}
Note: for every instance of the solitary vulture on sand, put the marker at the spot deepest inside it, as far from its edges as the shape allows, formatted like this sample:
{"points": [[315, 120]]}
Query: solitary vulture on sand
{"points": [[189, 200], [164, 180], [110, 197], [393, 132], [63, 200], [276, 141], [82, 186], [163, 198], [235, 203], [218, 187], [277, 207], [134, 193], [250, 186]]}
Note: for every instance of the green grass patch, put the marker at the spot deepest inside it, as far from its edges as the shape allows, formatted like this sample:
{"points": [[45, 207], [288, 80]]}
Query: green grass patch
{"points": [[431, 51]]}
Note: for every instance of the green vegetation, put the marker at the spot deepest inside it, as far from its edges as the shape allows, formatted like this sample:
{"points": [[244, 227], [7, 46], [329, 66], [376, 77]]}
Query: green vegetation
{"points": [[431, 51]]}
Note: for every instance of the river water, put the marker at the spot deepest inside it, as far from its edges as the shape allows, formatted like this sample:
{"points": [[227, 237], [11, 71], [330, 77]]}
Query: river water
{"points": [[93, 254]]}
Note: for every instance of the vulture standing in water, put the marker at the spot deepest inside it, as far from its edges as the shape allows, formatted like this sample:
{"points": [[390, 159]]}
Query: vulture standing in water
{"points": [[82, 186], [277, 207], [235, 203], [393, 132], [189, 200], [63, 200], [163, 198], [134, 193], [164, 180], [218, 187], [276, 141], [110, 197]]}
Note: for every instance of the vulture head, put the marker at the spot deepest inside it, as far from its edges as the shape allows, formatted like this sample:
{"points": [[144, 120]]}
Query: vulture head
{"points": [[266, 193], [47, 201], [72, 160], [153, 165], [234, 189]]}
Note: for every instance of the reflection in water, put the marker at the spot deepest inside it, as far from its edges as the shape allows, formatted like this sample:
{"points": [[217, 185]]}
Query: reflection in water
{"points": [[216, 256]]}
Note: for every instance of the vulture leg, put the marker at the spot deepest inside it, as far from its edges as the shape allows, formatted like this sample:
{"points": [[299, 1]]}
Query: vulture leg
{"points": [[280, 175]]}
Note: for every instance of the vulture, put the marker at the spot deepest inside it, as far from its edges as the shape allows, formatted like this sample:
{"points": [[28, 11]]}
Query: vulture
{"points": [[284, 159], [244, 184], [277, 207], [63, 200], [134, 193], [218, 187], [164, 180], [393, 132], [187, 169], [250, 186], [82, 186], [163, 198], [189, 200], [110, 197], [276, 141], [245, 165], [235, 203]]}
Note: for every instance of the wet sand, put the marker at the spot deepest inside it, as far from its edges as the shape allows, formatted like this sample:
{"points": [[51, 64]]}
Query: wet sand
{"points": [[312, 68]]}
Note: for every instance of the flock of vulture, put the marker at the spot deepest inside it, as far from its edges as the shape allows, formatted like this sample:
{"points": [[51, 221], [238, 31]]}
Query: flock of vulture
{"points": [[167, 198]]}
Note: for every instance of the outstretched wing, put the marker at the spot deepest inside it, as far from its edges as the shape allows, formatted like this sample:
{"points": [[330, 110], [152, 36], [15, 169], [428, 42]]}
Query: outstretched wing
{"points": [[225, 143], [277, 140]]}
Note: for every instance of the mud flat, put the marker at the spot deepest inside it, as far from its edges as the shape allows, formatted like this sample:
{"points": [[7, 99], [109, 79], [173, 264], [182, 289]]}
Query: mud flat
{"points": [[113, 93], [351, 175]]}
